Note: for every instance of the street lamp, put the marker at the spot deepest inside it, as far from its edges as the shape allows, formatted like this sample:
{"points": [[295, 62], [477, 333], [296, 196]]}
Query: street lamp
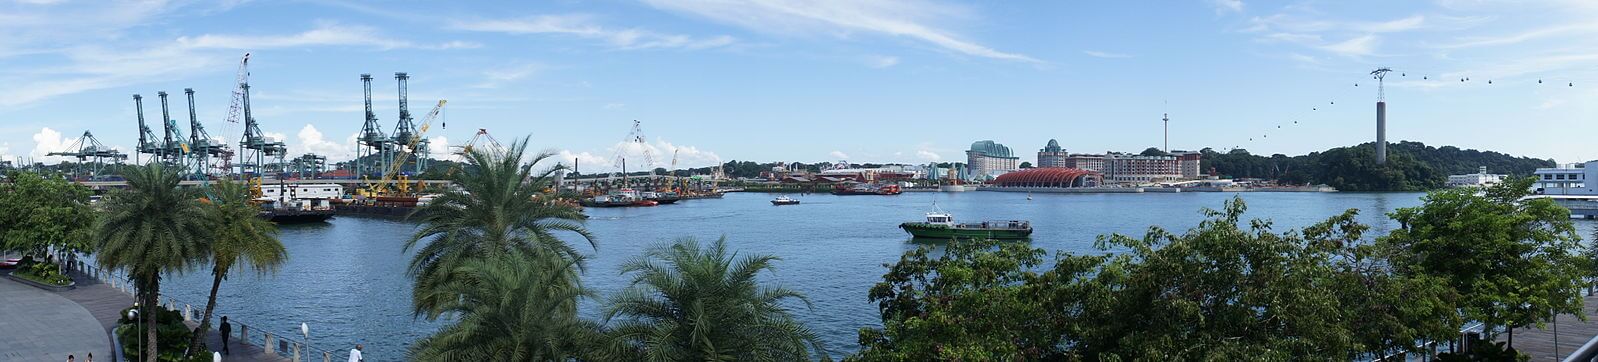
{"points": [[305, 329], [134, 315]]}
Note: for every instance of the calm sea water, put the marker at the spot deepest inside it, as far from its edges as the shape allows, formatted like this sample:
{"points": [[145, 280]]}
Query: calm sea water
{"points": [[346, 278]]}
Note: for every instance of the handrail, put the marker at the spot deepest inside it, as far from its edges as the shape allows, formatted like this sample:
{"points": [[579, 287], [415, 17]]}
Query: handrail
{"points": [[290, 347], [1587, 353]]}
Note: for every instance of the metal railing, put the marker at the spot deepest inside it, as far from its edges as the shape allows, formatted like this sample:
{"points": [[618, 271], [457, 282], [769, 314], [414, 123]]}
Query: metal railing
{"points": [[273, 343]]}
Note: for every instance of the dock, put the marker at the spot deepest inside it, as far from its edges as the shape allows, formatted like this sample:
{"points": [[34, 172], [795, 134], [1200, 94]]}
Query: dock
{"points": [[1559, 338]]}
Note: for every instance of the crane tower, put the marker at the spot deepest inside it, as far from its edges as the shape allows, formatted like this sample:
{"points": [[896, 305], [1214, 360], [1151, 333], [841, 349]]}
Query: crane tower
{"points": [[374, 150]]}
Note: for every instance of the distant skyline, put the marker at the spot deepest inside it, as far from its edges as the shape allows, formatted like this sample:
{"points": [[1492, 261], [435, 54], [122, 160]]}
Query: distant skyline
{"points": [[907, 81]]}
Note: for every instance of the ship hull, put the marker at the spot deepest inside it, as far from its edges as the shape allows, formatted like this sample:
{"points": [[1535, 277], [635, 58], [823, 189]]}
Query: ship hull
{"points": [[932, 231]]}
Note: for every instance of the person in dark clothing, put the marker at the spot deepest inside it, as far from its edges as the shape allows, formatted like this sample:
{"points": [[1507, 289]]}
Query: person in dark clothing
{"points": [[227, 331]]}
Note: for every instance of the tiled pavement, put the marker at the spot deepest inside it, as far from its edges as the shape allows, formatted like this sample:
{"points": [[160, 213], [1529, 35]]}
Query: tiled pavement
{"points": [[38, 325]]}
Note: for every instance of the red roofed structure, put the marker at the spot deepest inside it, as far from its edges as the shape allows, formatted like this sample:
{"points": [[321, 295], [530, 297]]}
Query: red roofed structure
{"points": [[1050, 177]]}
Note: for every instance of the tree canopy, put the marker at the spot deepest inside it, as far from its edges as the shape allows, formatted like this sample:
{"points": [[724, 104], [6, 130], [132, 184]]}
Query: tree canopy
{"points": [[39, 212], [1412, 166]]}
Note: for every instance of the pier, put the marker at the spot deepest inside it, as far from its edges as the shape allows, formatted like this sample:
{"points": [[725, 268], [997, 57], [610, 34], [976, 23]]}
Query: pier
{"points": [[1559, 338]]}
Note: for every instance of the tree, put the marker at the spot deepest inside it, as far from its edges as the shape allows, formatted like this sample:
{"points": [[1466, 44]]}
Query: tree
{"points": [[38, 213], [239, 237], [976, 301], [1153, 151], [1513, 262], [693, 303], [1026, 165], [152, 227], [499, 204], [515, 306]]}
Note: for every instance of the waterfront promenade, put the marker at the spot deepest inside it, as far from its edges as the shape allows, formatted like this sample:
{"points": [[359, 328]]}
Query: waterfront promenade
{"points": [[51, 325], [1539, 343]]}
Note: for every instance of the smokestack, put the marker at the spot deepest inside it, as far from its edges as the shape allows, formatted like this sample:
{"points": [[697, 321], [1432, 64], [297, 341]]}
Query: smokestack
{"points": [[1381, 133]]}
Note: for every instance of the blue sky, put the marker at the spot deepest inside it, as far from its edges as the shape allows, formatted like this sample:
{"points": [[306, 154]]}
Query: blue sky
{"points": [[770, 80]]}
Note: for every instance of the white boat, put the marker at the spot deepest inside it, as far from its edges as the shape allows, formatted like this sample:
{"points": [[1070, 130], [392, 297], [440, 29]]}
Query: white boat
{"points": [[784, 200]]}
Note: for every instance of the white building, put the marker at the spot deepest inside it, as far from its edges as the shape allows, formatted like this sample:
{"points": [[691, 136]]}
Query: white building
{"points": [[1567, 179], [1479, 179]]}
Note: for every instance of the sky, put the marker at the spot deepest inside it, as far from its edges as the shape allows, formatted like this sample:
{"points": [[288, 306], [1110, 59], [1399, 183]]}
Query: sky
{"points": [[908, 81]]}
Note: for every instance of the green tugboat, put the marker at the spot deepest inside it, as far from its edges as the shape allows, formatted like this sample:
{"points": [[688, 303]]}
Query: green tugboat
{"points": [[941, 225]]}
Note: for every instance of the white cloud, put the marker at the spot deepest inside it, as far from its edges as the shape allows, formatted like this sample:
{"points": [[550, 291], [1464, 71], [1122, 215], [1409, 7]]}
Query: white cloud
{"points": [[46, 141], [312, 140], [1358, 46], [639, 156], [438, 148], [615, 105], [838, 155], [1100, 54], [275, 136], [494, 78], [1550, 104], [584, 26], [1223, 6], [881, 61], [1580, 29], [929, 156], [325, 34], [840, 18]]}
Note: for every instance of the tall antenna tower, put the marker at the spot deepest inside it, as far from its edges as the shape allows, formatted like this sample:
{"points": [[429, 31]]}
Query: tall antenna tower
{"points": [[1167, 118], [1381, 115]]}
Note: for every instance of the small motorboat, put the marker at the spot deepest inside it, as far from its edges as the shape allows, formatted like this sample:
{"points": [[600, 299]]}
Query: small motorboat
{"points": [[784, 200]]}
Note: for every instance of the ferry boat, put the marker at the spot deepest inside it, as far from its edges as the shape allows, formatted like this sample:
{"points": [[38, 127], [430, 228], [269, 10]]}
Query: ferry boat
{"points": [[784, 200], [867, 189], [941, 225]]}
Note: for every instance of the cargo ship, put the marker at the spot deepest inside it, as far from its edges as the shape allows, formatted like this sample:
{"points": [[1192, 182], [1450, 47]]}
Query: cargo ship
{"points": [[867, 189]]}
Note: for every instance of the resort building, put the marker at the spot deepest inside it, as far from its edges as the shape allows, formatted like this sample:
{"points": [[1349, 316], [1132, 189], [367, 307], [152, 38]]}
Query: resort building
{"points": [[1479, 179], [1050, 177], [987, 159], [1118, 167], [1052, 155]]}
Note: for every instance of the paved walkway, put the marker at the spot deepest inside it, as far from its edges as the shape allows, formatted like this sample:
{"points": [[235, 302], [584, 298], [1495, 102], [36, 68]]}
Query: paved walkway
{"points": [[38, 325], [106, 303], [1539, 343]]}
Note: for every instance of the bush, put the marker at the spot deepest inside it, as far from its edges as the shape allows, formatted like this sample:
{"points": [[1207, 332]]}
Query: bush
{"points": [[171, 334], [46, 273]]}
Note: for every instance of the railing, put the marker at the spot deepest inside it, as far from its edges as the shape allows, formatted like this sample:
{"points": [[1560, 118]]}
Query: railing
{"points": [[274, 344]]}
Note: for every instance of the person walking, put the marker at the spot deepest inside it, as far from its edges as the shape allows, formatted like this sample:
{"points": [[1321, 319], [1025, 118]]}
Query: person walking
{"points": [[355, 354], [226, 330]]}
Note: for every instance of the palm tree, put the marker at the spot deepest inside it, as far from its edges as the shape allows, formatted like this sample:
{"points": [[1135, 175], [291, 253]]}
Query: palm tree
{"points": [[515, 306], [498, 204], [150, 228], [688, 303], [239, 237]]}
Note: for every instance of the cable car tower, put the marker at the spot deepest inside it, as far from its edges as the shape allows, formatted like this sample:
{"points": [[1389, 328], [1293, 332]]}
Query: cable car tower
{"points": [[1381, 115], [374, 150]]}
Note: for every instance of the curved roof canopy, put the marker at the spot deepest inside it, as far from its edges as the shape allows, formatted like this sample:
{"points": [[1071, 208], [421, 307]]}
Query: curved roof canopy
{"points": [[1062, 176], [991, 149]]}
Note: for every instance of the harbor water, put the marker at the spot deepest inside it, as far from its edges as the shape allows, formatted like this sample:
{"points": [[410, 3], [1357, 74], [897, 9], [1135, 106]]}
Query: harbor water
{"points": [[346, 278]]}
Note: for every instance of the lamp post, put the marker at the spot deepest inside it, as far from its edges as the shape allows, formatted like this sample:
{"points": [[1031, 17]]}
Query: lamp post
{"points": [[134, 315], [305, 329]]}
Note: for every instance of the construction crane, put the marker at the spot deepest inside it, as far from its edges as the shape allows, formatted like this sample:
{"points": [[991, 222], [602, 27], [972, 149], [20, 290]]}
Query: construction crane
{"points": [[471, 144], [393, 176], [405, 137], [255, 147], [635, 137], [89, 151], [374, 149]]}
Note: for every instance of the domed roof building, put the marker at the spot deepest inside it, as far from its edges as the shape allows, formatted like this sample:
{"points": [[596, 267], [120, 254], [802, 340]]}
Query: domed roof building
{"points": [[986, 159], [1052, 155], [1049, 177]]}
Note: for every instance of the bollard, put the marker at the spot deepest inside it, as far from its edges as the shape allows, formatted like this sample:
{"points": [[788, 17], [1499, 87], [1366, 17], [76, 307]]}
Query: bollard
{"points": [[186, 313], [296, 352], [271, 350], [327, 356], [244, 333]]}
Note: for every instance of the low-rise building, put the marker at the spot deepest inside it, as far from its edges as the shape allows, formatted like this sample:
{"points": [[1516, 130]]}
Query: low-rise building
{"points": [[1479, 179], [1567, 179]]}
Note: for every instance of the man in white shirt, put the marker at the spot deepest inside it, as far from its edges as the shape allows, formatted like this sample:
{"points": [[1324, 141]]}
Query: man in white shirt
{"points": [[355, 354]]}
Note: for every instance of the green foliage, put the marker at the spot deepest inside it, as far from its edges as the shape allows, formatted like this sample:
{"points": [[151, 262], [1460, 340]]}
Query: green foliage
{"points": [[1513, 262], [1411, 166], [515, 306], [173, 337], [150, 228], [1153, 151], [499, 205], [1485, 351], [46, 273], [1026, 165], [976, 301], [693, 303], [238, 237], [38, 212]]}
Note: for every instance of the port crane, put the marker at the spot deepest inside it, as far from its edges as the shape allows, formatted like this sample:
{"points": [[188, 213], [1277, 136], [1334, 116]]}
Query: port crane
{"points": [[202, 147], [393, 176], [374, 150], [257, 149], [635, 138], [174, 148], [148, 143], [405, 137], [90, 152]]}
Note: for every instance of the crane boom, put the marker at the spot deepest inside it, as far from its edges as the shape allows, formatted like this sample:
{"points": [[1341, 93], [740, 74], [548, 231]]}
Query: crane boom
{"points": [[381, 187]]}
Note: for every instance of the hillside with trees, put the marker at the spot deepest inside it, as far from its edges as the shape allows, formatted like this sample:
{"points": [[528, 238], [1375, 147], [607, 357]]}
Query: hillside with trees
{"points": [[1411, 166]]}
